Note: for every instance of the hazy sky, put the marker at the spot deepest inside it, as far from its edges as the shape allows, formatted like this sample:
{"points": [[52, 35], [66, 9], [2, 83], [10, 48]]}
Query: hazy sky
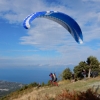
{"points": [[46, 42]]}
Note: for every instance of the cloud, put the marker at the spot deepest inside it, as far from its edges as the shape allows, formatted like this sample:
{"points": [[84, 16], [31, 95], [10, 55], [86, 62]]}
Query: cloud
{"points": [[15, 11], [48, 35]]}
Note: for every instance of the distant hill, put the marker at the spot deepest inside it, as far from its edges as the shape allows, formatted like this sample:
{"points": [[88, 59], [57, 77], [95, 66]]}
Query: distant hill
{"points": [[45, 92], [8, 87]]}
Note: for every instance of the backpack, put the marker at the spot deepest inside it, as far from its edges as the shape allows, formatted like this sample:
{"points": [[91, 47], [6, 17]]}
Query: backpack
{"points": [[54, 75]]}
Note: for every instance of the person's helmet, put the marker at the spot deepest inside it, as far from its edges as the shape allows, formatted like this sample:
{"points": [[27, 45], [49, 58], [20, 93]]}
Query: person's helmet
{"points": [[50, 74]]}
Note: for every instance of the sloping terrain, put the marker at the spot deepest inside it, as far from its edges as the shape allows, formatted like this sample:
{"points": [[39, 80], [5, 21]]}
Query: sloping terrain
{"points": [[43, 93]]}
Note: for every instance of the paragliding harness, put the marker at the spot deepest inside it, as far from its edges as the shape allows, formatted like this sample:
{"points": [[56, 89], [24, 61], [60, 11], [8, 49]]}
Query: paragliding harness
{"points": [[54, 79]]}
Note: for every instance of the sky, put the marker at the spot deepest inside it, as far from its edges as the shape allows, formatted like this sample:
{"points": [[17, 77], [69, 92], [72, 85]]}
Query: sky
{"points": [[47, 43]]}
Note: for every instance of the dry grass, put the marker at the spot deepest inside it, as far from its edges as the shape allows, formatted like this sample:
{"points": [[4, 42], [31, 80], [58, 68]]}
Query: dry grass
{"points": [[54, 92], [87, 95]]}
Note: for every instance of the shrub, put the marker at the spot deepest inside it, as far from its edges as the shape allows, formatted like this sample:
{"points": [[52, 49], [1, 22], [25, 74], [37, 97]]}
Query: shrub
{"points": [[66, 95]]}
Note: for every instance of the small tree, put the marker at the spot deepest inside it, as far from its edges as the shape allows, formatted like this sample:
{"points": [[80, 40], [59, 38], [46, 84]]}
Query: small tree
{"points": [[93, 64], [66, 74], [48, 83], [43, 84], [78, 69]]}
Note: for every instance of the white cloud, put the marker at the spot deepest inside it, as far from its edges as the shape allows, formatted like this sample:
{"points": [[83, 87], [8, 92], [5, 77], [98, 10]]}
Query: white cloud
{"points": [[48, 35]]}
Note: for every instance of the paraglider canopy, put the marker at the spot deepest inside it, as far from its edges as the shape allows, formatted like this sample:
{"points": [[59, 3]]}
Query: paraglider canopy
{"points": [[63, 19]]}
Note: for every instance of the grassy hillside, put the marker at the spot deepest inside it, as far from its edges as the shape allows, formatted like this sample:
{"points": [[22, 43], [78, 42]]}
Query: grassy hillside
{"points": [[45, 92]]}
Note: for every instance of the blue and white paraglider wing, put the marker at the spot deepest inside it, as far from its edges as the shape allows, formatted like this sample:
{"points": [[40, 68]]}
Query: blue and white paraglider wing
{"points": [[66, 21]]}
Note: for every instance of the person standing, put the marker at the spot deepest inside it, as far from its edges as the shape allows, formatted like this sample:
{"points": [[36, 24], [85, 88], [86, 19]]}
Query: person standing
{"points": [[53, 80]]}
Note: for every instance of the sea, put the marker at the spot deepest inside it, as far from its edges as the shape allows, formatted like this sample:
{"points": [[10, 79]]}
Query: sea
{"points": [[30, 74]]}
